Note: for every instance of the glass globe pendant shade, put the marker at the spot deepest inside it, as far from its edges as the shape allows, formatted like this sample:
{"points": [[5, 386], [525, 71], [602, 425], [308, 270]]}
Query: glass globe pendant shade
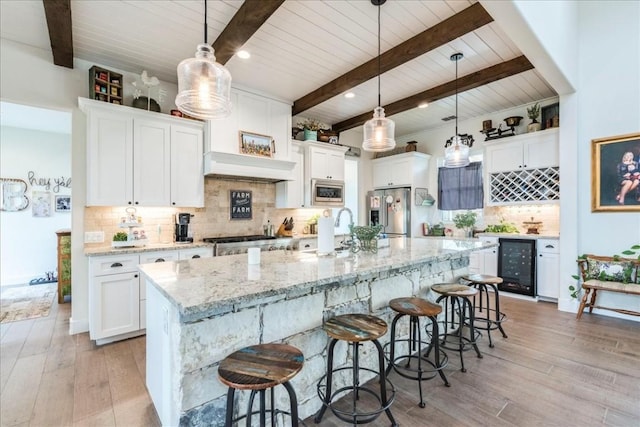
{"points": [[456, 155], [204, 86], [379, 132]]}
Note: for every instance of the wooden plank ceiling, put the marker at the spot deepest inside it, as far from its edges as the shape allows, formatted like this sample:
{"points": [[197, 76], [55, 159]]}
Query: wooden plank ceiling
{"points": [[312, 52]]}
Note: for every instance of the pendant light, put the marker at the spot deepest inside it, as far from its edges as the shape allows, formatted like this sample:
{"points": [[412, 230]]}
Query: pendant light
{"points": [[456, 152], [204, 86], [379, 131]]}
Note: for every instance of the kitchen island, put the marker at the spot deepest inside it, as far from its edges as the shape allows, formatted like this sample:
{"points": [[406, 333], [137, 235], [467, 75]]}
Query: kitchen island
{"points": [[199, 311]]}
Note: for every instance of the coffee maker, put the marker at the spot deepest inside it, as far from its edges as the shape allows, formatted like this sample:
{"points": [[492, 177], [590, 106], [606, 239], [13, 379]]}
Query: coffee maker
{"points": [[183, 231]]}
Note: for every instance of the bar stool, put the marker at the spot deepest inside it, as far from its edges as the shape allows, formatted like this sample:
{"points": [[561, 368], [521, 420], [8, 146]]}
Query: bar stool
{"points": [[259, 368], [355, 329], [416, 308], [458, 296], [487, 318]]}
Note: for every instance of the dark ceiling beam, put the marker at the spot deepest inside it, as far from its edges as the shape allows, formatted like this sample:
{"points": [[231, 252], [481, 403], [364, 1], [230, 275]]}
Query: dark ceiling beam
{"points": [[450, 29], [470, 81], [251, 15], [58, 14]]}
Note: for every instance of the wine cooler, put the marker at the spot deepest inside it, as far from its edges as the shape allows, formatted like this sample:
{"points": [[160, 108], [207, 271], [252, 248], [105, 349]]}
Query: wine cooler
{"points": [[517, 266]]}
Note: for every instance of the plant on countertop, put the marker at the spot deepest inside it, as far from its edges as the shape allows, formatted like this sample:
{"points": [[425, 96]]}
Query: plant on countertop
{"points": [[313, 219], [503, 227], [120, 236], [465, 220], [575, 290], [534, 112]]}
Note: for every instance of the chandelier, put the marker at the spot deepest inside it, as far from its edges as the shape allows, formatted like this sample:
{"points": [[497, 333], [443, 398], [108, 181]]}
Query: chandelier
{"points": [[456, 152], [379, 131], [204, 85]]}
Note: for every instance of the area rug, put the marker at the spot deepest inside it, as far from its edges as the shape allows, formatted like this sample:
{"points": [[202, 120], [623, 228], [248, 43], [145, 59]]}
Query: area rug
{"points": [[26, 302]]}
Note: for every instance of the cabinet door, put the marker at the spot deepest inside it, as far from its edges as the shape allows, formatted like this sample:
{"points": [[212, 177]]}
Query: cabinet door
{"points": [[335, 166], [290, 194], [318, 163], [392, 173], [548, 279], [187, 179], [151, 163], [542, 152], [490, 262], [115, 303], [109, 159], [253, 113], [280, 129], [504, 157], [381, 174], [222, 135]]}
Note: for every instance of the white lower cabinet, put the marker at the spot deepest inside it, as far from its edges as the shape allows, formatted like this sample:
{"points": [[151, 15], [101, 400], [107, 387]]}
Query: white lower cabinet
{"points": [[548, 269], [486, 260], [117, 298]]}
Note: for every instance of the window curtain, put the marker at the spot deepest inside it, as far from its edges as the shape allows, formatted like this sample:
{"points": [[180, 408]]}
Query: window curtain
{"points": [[460, 188]]}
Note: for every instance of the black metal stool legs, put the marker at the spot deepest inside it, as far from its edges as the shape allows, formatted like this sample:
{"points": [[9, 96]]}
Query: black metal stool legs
{"points": [[229, 416], [489, 323], [499, 315], [327, 397], [383, 383], [461, 306]]}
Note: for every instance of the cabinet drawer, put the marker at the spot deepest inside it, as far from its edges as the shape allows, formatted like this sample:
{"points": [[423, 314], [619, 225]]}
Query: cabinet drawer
{"points": [[195, 253], [548, 246], [101, 266], [158, 256]]}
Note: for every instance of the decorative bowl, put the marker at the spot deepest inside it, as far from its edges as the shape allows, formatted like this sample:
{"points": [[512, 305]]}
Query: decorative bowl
{"points": [[513, 120], [365, 232]]}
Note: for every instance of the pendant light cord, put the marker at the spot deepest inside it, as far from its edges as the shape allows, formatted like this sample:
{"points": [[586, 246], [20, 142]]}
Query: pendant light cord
{"points": [[457, 59], [205, 22], [379, 7]]}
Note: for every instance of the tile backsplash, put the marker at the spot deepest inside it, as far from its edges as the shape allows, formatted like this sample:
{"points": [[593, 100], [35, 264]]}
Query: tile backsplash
{"points": [[211, 221], [548, 214]]}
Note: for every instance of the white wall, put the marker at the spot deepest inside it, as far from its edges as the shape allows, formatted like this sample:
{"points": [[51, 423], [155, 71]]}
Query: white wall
{"points": [[28, 244]]}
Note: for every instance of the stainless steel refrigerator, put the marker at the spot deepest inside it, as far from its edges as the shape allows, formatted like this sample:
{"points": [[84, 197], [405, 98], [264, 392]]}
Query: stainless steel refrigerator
{"points": [[392, 209]]}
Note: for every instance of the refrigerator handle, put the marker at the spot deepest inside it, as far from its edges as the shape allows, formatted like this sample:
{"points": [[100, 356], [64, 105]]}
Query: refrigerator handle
{"points": [[386, 214]]}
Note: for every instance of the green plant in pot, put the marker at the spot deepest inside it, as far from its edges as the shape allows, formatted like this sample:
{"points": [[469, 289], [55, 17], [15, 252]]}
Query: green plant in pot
{"points": [[310, 128], [533, 113], [466, 221]]}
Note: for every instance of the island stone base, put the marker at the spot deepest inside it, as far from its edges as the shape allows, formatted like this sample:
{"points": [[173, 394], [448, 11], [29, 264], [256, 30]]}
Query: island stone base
{"points": [[183, 358]]}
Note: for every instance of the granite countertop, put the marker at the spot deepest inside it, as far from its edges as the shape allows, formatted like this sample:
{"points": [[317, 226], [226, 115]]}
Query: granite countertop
{"points": [[208, 286], [108, 250], [521, 235]]}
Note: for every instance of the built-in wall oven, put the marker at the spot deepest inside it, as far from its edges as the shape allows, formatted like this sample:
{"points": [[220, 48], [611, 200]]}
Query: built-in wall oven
{"points": [[517, 266]]}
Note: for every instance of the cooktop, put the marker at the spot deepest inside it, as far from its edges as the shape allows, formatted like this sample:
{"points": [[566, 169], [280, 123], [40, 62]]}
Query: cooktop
{"points": [[235, 239]]}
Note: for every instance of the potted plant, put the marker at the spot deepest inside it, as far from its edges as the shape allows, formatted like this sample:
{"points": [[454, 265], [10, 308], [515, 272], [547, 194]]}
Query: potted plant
{"points": [[466, 221], [534, 112], [310, 128]]}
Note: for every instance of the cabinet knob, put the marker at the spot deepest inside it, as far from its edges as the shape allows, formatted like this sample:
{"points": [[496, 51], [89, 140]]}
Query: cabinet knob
{"points": [[196, 256], [136, 203], [159, 260], [129, 202], [116, 264], [540, 255], [135, 275], [173, 203]]}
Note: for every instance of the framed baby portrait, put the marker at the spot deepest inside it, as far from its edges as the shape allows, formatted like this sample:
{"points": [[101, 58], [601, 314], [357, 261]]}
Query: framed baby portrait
{"points": [[615, 168]]}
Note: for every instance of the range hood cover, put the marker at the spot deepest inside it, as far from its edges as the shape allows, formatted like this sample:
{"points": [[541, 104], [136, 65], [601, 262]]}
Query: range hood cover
{"points": [[263, 169]]}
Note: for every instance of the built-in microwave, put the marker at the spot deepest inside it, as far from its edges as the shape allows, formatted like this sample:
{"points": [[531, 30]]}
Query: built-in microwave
{"points": [[327, 192]]}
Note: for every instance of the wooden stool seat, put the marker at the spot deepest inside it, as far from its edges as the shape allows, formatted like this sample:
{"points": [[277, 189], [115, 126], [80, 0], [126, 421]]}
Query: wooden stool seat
{"points": [[415, 307], [260, 367], [355, 327], [453, 289], [484, 279]]}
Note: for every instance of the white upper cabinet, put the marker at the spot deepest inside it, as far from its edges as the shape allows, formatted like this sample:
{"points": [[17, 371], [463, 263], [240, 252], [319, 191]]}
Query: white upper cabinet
{"points": [[252, 113], [324, 161], [151, 163], [401, 170], [526, 151], [109, 159], [141, 158], [187, 183]]}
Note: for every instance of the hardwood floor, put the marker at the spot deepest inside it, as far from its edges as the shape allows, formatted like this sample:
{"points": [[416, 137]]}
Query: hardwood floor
{"points": [[552, 370]]}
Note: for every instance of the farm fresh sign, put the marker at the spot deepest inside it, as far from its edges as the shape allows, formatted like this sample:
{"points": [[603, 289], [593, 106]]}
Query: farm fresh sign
{"points": [[240, 206]]}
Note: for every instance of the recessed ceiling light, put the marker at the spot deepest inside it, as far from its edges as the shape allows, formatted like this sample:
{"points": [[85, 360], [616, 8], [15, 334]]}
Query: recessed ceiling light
{"points": [[423, 105], [349, 95], [243, 54]]}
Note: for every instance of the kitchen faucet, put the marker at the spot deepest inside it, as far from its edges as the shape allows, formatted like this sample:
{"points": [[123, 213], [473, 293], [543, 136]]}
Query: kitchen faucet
{"points": [[351, 240]]}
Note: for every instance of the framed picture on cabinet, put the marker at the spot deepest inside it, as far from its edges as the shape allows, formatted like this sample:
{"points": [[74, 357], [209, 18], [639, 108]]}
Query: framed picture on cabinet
{"points": [[615, 181], [256, 145]]}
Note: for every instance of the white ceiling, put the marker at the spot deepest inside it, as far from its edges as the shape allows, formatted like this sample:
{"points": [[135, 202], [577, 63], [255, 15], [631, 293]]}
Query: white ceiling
{"points": [[302, 46]]}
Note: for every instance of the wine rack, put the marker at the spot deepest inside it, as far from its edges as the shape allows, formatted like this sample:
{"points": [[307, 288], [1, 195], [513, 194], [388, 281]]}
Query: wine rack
{"points": [[532, 185]]}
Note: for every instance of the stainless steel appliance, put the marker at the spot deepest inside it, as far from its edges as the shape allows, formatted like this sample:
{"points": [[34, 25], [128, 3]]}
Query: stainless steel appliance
{"points": [[232, 245], [327, 192], [183, 229], [517, 266], [390, 208]]}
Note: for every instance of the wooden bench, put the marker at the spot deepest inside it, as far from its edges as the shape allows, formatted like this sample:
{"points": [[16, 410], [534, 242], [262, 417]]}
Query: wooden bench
{"points": [[592, 285]]}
